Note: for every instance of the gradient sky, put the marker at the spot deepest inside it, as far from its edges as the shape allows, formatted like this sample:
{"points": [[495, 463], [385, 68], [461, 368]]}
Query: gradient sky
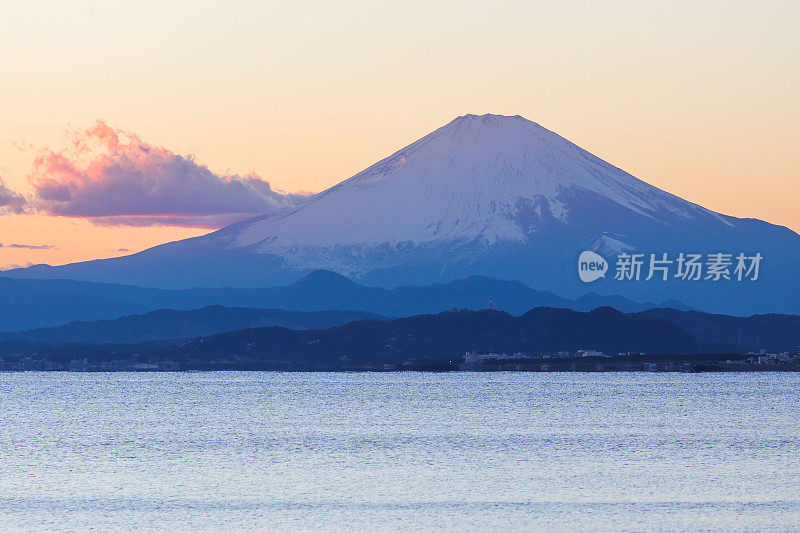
{"points": [[697, 98]]}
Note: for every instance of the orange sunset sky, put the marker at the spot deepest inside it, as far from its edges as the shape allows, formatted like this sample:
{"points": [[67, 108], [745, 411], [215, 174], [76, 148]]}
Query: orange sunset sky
{"points": [[697, 98]]}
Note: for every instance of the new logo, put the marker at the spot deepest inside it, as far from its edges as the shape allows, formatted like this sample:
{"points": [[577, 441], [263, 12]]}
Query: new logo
{"points": [[591, 266]]}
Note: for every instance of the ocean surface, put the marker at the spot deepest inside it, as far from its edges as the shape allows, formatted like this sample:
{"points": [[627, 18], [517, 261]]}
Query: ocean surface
{"points": [[399, 451]]}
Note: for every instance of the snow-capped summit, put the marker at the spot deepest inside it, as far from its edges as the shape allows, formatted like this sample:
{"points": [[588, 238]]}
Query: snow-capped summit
{"points": [[475, 178], [484, 195]]}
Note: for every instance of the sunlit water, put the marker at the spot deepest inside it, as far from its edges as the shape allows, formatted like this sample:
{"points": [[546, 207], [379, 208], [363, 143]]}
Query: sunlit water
{"points": [[458, 451]]}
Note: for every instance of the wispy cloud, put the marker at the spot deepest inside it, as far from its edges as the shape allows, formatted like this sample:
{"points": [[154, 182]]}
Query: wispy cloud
{"points": [[112, 177], [12, 266], [30, 246]]}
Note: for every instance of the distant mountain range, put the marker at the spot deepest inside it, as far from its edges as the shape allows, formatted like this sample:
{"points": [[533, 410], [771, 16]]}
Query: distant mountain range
{"points": [[715, 332], [449, 335], [770, 332], [491, 195], [370, 341], [423, 338], [28, 304], [168, 324]]}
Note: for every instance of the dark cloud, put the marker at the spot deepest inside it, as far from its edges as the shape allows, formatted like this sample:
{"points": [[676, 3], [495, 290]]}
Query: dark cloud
{"points": [[113, 177]]}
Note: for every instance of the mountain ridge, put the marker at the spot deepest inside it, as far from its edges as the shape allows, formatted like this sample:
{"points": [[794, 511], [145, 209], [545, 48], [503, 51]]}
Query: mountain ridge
{"points": [[42, 303], [170, 324]]}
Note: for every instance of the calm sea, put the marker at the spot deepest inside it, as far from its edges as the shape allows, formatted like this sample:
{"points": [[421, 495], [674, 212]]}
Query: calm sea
{"points": [[410, 451]]}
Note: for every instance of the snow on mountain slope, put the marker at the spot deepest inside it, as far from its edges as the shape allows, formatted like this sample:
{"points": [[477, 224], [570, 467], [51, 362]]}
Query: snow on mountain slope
{"points": [[467, 180]]}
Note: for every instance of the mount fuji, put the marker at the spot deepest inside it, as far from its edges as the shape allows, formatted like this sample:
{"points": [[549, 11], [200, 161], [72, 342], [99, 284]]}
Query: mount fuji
{"points": [[488, 195]]}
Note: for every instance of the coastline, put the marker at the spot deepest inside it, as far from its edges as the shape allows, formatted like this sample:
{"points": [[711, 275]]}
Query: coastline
{"points": [[656, 364]]}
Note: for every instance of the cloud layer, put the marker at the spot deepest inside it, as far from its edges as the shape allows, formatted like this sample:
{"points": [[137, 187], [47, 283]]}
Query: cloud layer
{"points": [[112, 177]]}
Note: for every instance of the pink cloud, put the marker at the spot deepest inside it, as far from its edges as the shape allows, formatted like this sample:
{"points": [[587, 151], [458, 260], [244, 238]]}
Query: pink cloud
{"points": [[112, 177]]}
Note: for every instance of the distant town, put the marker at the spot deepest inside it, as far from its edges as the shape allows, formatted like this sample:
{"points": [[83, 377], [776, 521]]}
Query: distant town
{"points": [[586, 360], [595, 360]]}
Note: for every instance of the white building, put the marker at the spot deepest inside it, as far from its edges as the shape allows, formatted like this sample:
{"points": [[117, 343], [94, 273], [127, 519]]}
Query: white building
{"points": [[474, 358]]}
